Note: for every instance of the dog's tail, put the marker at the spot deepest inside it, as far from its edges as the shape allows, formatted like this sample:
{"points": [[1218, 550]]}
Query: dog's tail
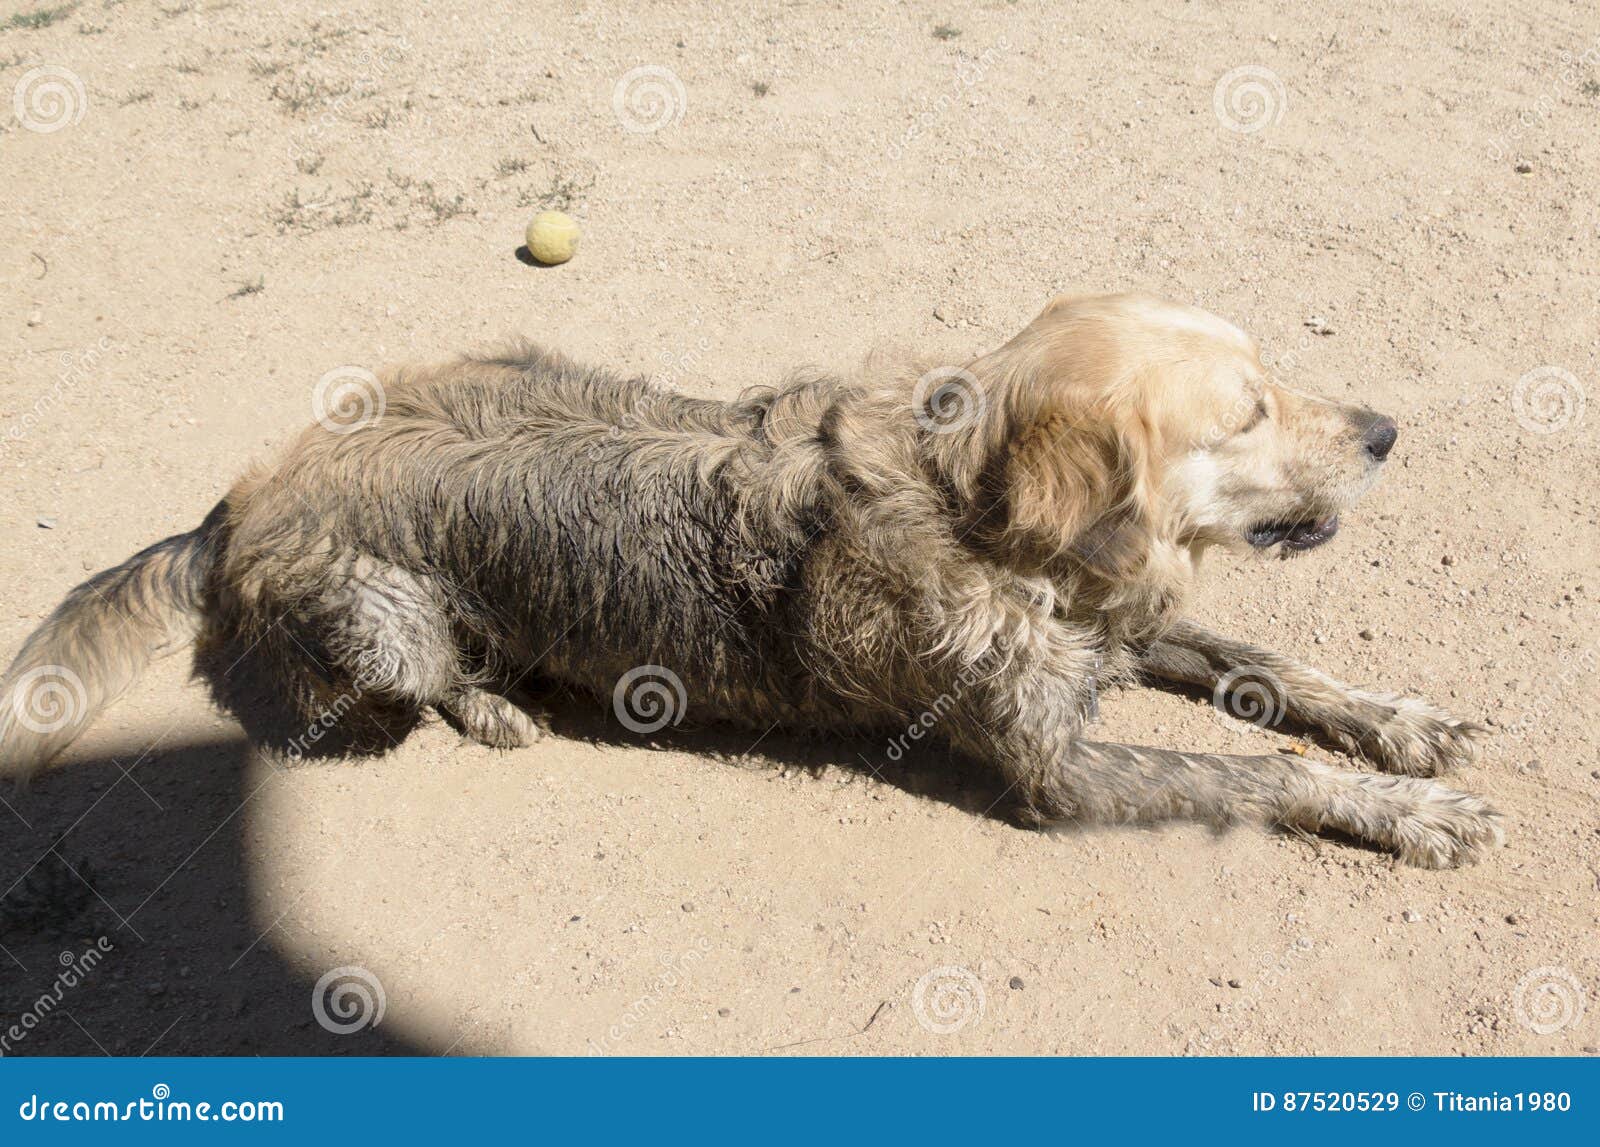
{"points": [[96, 643]]}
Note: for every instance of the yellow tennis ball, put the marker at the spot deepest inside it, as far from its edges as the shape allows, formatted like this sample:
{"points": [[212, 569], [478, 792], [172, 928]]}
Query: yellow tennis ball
{"points": [[552, 237]]}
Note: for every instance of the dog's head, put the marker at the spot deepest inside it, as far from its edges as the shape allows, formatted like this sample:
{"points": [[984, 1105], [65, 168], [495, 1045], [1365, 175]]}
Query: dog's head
{"points": [[1116, 423]]}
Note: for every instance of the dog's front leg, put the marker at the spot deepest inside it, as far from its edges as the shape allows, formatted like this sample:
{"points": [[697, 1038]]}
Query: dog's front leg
{"points": [[1399, 734], [1422, 821], [1062, 778]]}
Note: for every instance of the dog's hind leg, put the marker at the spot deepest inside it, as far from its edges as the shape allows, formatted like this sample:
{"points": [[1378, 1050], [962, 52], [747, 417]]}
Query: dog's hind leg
{"points": [[1398, 734]]}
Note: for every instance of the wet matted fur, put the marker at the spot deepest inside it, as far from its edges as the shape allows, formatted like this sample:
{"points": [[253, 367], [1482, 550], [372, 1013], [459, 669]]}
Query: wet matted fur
{"points": [[1011, 536]]}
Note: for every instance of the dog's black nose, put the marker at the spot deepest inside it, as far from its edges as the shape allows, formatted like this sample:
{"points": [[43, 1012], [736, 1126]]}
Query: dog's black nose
{"points": [[1379, 437]]}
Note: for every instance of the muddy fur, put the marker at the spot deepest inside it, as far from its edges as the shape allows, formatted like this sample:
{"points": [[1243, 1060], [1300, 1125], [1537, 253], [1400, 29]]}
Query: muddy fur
{"points": [[831, 555]]}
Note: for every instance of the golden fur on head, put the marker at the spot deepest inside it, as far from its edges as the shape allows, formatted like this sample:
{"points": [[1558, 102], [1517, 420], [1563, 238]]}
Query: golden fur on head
{"points": [[997, 541], [1118, 436]]}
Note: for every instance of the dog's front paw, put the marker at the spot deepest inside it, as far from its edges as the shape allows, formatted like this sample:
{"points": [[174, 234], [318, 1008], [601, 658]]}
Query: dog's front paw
{"points": [[1444, 828], [1422, 821], [1419, 740]]}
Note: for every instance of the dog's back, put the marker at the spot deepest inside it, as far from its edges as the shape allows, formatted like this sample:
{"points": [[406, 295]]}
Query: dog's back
{"points": [[503, 516]]}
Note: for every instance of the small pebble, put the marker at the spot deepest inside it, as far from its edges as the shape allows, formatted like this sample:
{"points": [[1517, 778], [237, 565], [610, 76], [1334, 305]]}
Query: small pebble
{"points": [[1410, 917], [47, 523], [1016, 983], [1367, 635], [1235, 983], [1513, 918], [724, 1012], [1447, 560]]}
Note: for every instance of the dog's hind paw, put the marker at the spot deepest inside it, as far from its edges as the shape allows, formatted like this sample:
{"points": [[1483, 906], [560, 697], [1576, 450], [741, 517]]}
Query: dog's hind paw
{"points": [[490, 719]]}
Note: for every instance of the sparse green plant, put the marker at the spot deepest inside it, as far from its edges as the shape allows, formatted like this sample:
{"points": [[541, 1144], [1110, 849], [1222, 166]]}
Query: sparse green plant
{"points": [[442, 207], [302, 92], [946, 32], [761, 87], [262, 66], [144, 95], [250, 287], [511, 165], [39, 17], [563, 191]]}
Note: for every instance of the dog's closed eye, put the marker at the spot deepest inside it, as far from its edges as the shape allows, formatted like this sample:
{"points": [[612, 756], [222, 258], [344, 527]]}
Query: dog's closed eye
{"points": [[1257, 417]]}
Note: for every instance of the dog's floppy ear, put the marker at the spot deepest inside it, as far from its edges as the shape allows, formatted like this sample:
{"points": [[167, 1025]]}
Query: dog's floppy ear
{"points": [[1064, 480]]}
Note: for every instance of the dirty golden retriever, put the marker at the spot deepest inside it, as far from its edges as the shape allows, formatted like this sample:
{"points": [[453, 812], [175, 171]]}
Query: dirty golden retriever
{"points": [[1000, 540]]}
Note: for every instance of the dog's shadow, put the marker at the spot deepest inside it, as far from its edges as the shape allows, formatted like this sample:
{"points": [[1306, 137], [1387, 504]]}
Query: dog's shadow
{"points": [[129, 923], [127, 875], [244, 687]]}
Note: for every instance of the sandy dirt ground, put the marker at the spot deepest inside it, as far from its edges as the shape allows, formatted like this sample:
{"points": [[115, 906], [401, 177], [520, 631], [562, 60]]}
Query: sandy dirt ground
{"points": [[209, 205]]}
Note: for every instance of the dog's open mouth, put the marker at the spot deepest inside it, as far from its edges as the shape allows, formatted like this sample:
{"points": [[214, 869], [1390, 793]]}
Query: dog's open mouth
{"points": [[1293, 535]]}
